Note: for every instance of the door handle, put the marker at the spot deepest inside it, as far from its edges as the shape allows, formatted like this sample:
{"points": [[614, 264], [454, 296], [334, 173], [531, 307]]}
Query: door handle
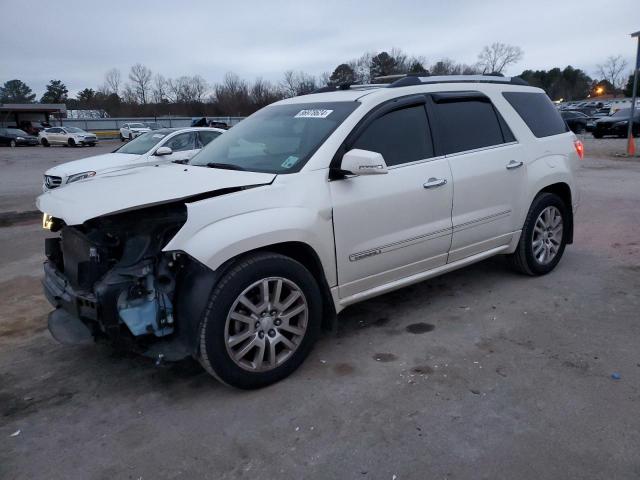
{"points": [[513, 165], [435, 182]]}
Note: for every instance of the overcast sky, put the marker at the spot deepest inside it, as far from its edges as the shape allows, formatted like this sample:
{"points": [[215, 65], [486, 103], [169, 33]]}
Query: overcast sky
{"points": [[77, 42]]}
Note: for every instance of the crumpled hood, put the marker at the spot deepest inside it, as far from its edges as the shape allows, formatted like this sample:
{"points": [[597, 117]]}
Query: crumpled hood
{"points": [[135, 188], [96, 164]]}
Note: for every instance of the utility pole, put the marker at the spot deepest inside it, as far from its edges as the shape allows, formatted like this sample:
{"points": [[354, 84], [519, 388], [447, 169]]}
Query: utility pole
{"points": [[631, 143]]}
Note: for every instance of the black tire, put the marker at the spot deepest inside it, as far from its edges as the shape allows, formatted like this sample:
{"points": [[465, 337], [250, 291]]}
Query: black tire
{"points": [[92, 144], [12, 143], [247, 270], [130, 136], [121, 138], [71, 142], [523, 260], [45, 142], [597, 135]]}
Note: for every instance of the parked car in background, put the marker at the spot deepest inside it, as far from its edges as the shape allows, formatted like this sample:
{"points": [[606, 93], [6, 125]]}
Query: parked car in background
{"points": [[577, 121], [129, 131], [591, 121], [311, 204], [160, 146], [33, 127], [14, 137], [153, 125], [617, 124], [68, 136]]}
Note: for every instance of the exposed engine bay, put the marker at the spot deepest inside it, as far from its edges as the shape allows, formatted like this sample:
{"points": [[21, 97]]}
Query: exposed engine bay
{"points": [[111, 274]]}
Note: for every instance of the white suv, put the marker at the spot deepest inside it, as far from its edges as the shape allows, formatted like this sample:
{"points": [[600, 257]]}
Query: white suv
{"points": [[310, 205], [129, 131]]}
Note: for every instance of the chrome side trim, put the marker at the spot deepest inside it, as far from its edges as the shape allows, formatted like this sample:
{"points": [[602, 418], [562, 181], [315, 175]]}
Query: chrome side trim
{"points": [[418, 277], [354, 257], [480, 221]]}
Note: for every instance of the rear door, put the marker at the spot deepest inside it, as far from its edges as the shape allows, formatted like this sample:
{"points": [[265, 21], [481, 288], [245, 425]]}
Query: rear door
{"points": [[388, 227], [488, 169]]}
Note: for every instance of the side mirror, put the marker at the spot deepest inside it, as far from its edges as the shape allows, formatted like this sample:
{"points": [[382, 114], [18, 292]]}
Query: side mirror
{"points": [[162, 151], [363, 162]]}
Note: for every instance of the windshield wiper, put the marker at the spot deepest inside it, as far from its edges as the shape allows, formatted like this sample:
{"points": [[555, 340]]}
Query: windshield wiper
{"points": [[225, 166]]}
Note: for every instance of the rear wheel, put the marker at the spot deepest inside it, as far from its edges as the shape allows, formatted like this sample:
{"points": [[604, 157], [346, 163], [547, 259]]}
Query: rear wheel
{"points": [[261, 322], [45, 142], [544, 236]]}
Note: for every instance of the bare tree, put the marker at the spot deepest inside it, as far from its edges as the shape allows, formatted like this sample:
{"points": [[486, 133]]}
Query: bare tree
{"points": [[159, 89], [177, 90], [496, 57], [129, 95], [232, 95], [112, 81], [262, 93], [612, 71], [198, 88], [140, 77], [297, 83]]}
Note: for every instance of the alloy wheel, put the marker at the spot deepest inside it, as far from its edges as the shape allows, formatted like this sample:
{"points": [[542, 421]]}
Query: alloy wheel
{"points": [[547, 235], [266, 324]]}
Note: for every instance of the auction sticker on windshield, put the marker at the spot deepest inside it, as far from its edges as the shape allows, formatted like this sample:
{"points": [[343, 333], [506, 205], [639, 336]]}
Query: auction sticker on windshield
{"points": [[313, 113]]}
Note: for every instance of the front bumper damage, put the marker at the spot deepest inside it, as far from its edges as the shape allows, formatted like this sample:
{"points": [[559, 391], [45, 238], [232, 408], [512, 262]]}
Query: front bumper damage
{"points": [[117, 286]]}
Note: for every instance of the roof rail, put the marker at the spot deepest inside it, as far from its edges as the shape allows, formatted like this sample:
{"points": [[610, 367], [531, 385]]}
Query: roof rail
{"points": [[408, 80], [347, 86]]}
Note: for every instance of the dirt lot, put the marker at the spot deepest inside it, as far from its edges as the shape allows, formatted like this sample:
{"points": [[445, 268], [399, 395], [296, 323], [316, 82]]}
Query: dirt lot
{"points": [[479, 374]]}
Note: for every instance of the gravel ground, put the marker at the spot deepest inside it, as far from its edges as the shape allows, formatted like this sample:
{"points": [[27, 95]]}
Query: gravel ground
{"points": [[478, 374]]}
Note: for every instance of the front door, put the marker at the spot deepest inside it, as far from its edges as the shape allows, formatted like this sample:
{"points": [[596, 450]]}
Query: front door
{"points": [[394, 225]]}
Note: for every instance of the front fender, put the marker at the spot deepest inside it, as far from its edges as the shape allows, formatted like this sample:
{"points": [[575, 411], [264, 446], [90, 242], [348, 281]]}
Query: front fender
{"points": [[214, 244]]}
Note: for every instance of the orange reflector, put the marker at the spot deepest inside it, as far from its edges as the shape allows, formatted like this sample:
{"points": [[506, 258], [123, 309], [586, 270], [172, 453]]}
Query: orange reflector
{"points": [[579, 148], [631, 146]]}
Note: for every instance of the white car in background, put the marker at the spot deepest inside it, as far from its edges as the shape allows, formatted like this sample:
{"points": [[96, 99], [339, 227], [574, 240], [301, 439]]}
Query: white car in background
{"points": [[166, 145], [129, 131], [70, 136]]}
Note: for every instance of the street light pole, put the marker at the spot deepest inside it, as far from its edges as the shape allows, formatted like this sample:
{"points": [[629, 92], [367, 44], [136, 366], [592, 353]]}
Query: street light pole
{"points": [[631, 145]]}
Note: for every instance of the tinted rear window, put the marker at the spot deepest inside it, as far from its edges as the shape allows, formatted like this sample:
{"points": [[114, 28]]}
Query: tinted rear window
{"points": [[538, 112], [469, 124], [401, 136]]}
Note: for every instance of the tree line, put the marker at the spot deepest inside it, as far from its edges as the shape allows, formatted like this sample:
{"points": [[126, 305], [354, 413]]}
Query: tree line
{"points": [[147, 94]]}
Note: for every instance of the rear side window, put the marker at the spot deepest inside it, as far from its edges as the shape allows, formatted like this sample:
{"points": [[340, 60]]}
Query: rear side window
{"points": [[401, 136], [538, 112], [207, 136], [469, 124]]}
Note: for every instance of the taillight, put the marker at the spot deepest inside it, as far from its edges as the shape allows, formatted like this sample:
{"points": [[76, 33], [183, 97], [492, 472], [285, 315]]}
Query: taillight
{"points": [[579, 148]]}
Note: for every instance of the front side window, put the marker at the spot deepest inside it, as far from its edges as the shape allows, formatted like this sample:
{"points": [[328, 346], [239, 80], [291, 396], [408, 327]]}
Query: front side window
{"points": [[538, 112], [276, 139], [401, 136], [182, 142], [469, 124]]}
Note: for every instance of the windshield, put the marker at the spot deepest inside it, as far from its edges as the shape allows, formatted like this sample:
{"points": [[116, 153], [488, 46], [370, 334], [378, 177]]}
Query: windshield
{"points": [[625, 112], [276, 139], [74, 130], [137, 125], [143, 143], [17, 131]]}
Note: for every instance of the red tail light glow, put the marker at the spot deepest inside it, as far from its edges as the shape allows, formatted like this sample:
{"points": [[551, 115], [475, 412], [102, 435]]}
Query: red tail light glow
{"points": [[579, 148]]}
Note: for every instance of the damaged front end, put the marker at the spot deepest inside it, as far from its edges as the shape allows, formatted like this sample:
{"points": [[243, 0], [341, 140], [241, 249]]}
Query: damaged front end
{"points": [[108, 278]]}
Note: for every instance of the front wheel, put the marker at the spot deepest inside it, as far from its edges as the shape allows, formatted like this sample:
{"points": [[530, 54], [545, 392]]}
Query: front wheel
{"points": [[45, 142], [71, 142], [12, 144], [261, 321], [121, 138], [543, 237]]}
